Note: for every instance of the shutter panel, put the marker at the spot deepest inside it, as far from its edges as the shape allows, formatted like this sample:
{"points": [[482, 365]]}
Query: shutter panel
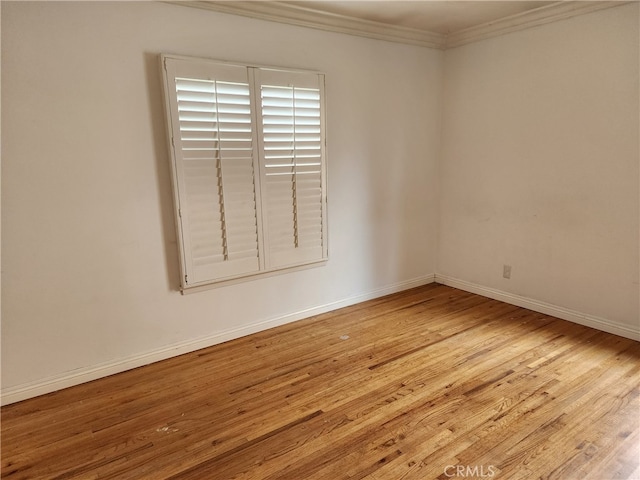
{"points": [[213, 142], [292, 151]]}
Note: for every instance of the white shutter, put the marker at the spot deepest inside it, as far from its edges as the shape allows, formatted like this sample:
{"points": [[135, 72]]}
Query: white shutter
{"points": [[249, 174], [213, 143], [292, 173]]}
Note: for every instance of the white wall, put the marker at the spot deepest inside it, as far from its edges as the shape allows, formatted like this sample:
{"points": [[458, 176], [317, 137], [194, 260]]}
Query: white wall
{"points": [[540, 166], [90, 269], [537, 167]]}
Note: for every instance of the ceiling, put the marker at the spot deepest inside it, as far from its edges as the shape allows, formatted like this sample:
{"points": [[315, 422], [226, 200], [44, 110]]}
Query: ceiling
{"points": [[443, 17]]}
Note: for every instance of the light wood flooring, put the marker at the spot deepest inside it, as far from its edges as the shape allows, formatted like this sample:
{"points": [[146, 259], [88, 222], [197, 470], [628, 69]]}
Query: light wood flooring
{"points": [[430, 383]]}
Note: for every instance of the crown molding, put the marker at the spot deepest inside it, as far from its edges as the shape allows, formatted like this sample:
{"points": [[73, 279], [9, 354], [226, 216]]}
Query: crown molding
{"points": [[531, 18], [307, 17], [282, 12]]}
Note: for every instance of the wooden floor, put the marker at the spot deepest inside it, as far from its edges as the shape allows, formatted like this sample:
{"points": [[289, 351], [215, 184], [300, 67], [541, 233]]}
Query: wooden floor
{"points": [[431, 383]]}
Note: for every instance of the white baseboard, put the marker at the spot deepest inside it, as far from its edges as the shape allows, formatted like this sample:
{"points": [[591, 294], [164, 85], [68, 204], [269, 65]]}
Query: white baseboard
{"points": [[542, 307], [83, 375]]}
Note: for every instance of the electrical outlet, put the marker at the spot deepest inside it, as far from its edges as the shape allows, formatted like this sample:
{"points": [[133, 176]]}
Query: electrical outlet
{"points": [[506, 271]]}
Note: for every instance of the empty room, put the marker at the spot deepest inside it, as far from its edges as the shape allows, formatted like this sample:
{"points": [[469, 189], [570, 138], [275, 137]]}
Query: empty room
{"points": [[331, 240]]}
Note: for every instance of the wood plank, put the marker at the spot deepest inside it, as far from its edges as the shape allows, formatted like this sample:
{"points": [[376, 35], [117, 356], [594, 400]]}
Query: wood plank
{"points": [[400, 387]]}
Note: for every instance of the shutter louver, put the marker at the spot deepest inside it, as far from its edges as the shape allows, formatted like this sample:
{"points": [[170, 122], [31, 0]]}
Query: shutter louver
{"points": [[216, 149], [292, 150]]}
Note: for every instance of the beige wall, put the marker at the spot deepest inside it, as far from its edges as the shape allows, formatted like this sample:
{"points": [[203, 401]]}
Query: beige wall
{"points": [[540, 165], [527, 155], [89, 251]]}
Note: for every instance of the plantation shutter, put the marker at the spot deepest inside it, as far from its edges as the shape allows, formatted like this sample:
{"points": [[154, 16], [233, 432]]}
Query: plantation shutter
{"points": [[248, 168], [292, 174], [210, 112]]}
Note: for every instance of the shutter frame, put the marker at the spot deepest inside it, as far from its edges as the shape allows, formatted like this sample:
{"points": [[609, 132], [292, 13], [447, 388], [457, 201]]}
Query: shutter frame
{"points": [[231, 173]]}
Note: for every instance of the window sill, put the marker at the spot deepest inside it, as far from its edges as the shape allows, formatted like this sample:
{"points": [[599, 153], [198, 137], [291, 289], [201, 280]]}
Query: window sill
{"points": [[200, 287]]}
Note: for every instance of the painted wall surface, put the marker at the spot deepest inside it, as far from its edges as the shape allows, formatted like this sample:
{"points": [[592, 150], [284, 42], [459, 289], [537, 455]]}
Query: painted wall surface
{"points": [[540, 164], [526, 154], [90, 262]]}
